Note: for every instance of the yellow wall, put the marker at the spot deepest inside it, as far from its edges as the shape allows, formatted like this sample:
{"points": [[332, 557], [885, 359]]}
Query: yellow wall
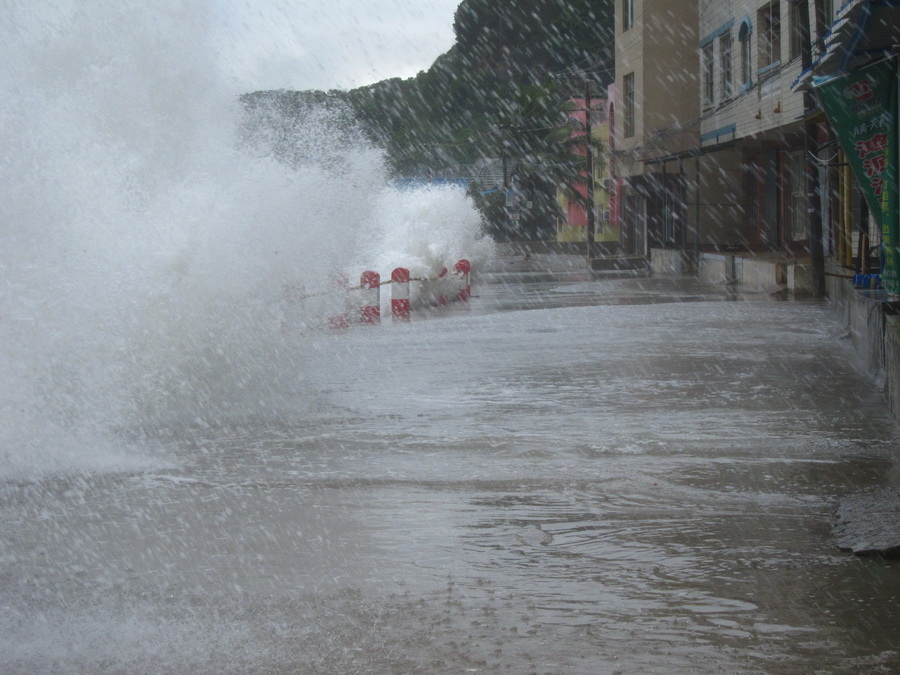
{"points": [[603, 231]]}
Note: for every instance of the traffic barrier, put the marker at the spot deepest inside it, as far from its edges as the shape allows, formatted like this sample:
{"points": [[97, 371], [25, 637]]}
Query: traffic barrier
{"points": [[400, 294], [464, 269], [370, 284], [345, 305], [446, 287]]}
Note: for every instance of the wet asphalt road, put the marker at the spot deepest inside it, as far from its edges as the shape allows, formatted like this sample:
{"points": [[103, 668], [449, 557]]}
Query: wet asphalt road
{"points": [[568, 475]]}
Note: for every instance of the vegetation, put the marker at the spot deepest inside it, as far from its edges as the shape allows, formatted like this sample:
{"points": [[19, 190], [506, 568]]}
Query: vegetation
{"points": [[498, 92]]}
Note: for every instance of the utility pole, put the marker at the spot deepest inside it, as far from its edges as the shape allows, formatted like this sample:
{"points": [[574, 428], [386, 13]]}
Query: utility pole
{"points": [[590, 166]]}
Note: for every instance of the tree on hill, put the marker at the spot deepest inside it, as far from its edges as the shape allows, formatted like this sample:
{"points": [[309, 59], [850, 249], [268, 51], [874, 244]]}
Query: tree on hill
{"points": [[501, 88]]}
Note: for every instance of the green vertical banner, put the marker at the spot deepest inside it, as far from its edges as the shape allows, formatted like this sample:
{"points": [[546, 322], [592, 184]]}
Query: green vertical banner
{"points": [[862, 110]]}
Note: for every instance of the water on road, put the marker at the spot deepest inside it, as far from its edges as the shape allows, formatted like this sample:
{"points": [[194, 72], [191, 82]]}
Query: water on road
{"points": [[566, 475]]}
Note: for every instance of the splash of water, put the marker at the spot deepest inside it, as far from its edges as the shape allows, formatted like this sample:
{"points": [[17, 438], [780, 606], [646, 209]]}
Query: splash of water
{"points": [[145, 252]]}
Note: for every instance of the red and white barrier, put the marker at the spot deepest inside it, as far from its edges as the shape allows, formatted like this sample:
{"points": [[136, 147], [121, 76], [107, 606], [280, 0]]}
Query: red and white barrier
{"points": [[400, 294], [344, 305], [370, 285], [463, 268], [446, 287]]}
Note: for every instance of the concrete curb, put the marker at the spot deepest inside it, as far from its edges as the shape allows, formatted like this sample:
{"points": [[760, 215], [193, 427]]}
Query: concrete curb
{"points": [[868, 524]]}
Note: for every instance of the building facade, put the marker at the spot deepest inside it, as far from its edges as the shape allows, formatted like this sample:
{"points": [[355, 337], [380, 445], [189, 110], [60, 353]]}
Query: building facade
{"points": [[751, 54], [855, 78], [798, 196], [656, 83], [668, 199], [572, 225], [719, 148]]}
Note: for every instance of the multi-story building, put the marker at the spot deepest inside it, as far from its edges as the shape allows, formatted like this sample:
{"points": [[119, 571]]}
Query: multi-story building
{"points": [[724, 150], [656, 112], [572, 225], [666, 201], [797, 196], [751, 54]]}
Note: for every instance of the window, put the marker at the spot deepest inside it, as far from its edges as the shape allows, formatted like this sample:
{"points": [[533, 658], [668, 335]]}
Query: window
{"points": [[796, 45], [746, 67], [627, 14], [726, 63], [628, 89], [709, 74], [769, 21]]}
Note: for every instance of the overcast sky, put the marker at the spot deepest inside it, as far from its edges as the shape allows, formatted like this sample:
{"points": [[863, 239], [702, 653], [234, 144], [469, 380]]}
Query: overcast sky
{"points": [[332, 44]]}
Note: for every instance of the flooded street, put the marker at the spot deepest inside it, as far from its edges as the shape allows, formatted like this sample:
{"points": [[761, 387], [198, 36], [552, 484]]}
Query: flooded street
{"points": [[566, 475]]}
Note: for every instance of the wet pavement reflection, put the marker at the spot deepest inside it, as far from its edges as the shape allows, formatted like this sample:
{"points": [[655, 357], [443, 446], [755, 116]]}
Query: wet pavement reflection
{"points": [[635, 475]]}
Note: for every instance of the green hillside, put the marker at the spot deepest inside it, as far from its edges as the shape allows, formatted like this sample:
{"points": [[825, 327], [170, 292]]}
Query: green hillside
{"points": [[498, 91]]}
